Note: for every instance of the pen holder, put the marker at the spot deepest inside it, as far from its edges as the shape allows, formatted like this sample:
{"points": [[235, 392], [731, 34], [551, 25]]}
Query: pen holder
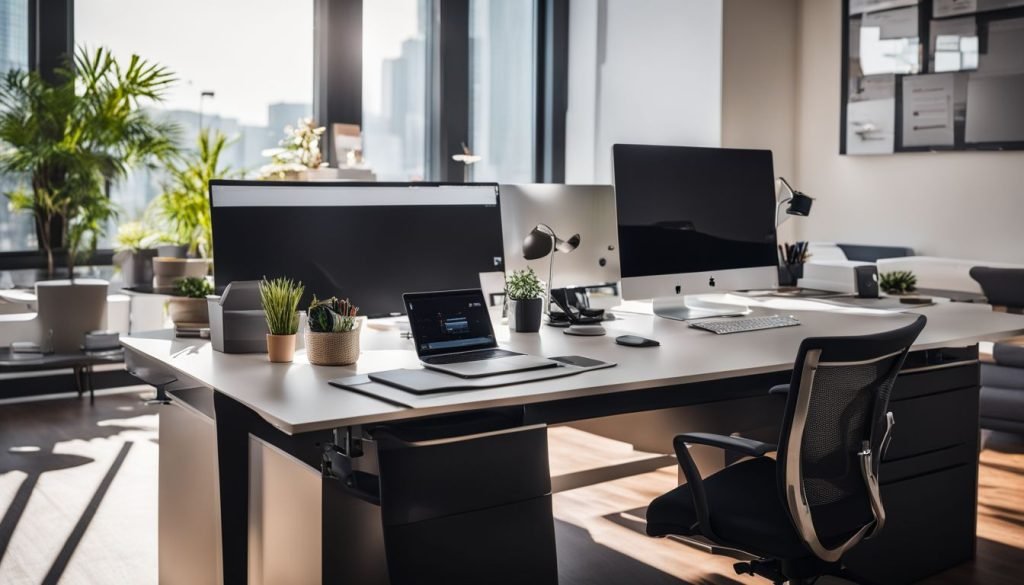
{"points": [[789, 274]]}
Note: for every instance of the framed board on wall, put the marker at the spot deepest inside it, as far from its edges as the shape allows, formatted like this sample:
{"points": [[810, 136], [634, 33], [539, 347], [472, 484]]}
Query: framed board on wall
{"points": [[932, 75]]}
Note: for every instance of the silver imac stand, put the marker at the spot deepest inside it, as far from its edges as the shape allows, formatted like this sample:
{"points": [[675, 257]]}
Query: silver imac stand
{"points": [[677, 307]]}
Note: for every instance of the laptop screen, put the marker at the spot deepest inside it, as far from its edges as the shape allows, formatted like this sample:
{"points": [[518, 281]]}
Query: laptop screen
{"points": [[449, 322]]}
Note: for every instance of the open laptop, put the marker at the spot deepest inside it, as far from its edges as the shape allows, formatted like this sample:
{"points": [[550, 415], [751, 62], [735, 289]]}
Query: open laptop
{"points": [[453, 334]]}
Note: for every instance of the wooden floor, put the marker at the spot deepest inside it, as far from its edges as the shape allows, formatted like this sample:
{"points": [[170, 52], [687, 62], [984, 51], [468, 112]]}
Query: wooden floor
{"points": [[604, 513], [78, 504]]}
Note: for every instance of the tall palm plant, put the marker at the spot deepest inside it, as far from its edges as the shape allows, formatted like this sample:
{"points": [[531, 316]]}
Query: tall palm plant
{"points": [[74, 138], [184, 206]]}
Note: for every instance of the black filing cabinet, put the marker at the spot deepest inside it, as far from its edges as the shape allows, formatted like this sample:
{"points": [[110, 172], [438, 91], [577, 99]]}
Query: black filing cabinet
{"points": [[929, 475]]}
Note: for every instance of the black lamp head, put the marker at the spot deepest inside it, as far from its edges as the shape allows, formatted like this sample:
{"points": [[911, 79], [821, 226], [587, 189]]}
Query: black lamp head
{"points": [[542, 241], [800, 204]]}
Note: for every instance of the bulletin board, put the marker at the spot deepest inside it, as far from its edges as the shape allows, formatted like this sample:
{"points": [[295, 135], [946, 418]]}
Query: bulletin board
{"points": [[932, 75]]}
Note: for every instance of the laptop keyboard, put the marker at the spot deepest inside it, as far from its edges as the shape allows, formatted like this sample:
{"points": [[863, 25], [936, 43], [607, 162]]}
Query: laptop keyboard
{"points": [[470, 356]]}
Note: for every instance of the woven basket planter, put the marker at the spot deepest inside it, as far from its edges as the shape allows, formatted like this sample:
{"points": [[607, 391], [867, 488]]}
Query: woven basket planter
{"points": [[339, 348]]}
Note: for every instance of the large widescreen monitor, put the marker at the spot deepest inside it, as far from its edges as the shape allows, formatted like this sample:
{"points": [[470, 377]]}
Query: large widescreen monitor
{"points": [[694, 220], [369, 242]]}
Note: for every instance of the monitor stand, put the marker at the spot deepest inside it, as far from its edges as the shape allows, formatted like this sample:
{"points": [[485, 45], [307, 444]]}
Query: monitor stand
{"points": [[684, 308]]}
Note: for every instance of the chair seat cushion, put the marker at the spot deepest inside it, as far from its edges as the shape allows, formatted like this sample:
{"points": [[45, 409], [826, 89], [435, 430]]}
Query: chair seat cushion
{"points": [[1002, 376], [745, 509], [1008, 354], [1002, 403]]}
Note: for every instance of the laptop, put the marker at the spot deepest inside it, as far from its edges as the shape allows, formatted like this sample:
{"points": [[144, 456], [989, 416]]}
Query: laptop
{"points": [[453, 334]]}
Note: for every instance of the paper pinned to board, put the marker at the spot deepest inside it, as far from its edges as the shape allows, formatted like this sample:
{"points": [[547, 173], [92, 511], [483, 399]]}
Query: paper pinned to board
{"points": [[870, 126], [993, 109], [928, 110], [944, 8]]}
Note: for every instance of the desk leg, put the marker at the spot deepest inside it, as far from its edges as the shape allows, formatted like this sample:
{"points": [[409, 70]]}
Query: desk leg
{"points": [[233, 479]]}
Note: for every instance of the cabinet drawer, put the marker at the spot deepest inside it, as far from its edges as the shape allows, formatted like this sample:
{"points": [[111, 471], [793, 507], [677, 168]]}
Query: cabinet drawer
{"points": [[916, 382], [510, 545], [934, 422], [930, 527], [433, 479]]}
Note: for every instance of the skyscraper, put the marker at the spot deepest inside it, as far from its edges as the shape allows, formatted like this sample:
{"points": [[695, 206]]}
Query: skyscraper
{"points": [[13, 35]]}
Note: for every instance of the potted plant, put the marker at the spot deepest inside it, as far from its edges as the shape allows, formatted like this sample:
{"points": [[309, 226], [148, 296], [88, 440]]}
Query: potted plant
{"points": [[135, 250], [898, 282], [188, 306], [73, 137], [298, 155], [332, 332], [183, 208], [280, 300], [524, 293]]}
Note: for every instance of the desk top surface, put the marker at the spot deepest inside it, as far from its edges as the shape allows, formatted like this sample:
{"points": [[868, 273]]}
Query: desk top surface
{"points": [[297, 398]]}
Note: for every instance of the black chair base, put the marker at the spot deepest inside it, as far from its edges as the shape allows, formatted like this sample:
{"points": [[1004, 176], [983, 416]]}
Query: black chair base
{"points": [[793, 571]]}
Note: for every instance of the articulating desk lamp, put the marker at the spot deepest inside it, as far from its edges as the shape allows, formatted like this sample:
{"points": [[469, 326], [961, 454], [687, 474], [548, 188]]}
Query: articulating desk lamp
{"points": [[791, 267], [799, 203], [541, 242]]}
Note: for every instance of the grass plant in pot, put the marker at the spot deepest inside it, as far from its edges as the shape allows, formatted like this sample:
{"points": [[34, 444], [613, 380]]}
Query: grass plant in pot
{"points": [[332, 335], [280, 300], [525, 304], [188, 306]]}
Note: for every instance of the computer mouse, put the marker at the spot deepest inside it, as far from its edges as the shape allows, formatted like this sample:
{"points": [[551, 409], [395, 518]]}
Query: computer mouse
{"points": [[636, 341], [587, 330]]}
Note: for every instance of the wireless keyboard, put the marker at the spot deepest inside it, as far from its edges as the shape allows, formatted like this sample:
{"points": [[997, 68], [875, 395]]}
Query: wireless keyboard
{"points": [[724, 326]]}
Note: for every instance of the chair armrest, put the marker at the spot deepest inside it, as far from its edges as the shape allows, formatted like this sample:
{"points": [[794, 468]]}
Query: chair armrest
{"points": [[1008, 354], [742, 445], [696, 482], [779, 390]]}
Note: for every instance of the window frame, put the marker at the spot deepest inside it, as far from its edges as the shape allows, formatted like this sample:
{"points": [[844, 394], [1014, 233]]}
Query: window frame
{"points": [[338, 82]]}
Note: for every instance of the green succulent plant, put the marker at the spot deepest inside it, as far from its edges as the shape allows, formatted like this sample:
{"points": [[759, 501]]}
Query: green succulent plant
{"points": [[897, 282], [280, 300], [332, 315], [523, 285], [193, 287]]}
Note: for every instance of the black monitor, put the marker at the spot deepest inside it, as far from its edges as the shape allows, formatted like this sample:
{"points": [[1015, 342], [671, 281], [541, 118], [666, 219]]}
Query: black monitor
{"points": [[369, 242], [694, 220]]}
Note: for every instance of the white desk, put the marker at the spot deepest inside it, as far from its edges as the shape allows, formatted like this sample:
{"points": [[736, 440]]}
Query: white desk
{"points": [[292, 408]]}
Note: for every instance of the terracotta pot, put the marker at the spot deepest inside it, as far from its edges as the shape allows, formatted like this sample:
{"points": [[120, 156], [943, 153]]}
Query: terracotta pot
{"points": [[336, 348], [187, 310], [281, 348]]}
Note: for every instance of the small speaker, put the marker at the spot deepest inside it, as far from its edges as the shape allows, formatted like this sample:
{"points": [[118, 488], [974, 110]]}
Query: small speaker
{"points": [[867, 281]]}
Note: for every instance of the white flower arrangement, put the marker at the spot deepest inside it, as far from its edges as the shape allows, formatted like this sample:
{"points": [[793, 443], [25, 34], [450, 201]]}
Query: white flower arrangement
{"points": [[298, 151]]}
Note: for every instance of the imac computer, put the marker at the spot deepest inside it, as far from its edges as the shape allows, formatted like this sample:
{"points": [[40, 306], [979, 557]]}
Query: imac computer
{"points": [[587, 210], [694, 220], [369, 242]]}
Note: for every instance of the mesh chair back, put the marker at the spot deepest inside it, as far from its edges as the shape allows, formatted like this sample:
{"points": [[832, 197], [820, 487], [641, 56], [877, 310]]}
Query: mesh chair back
{"points": [[1004, 287], [833, 433]]}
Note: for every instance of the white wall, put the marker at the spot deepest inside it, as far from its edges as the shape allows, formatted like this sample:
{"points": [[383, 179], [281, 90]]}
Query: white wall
{"points": [[647, 71], [960, 205], [759, 83]]}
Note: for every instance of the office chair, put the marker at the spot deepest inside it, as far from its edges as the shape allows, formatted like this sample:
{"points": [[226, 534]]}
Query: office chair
{"points": [[794, 517], [1002, 382]]}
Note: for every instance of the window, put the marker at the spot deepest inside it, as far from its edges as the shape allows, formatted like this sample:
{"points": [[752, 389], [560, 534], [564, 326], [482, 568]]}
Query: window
{"points": [[503, 89], [395, 88], [244, 67], [17, 231]]}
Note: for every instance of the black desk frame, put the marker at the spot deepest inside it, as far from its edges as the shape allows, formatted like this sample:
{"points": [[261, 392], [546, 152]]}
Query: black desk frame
{"points": [[933, 460]]}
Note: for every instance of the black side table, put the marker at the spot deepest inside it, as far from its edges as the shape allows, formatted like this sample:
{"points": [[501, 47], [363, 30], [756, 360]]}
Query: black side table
{"points": [[80, 362]]}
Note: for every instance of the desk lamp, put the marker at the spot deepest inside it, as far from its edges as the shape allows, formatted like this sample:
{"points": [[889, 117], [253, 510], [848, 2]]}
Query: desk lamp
{"points": [[541, 242], [799, 203]]}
